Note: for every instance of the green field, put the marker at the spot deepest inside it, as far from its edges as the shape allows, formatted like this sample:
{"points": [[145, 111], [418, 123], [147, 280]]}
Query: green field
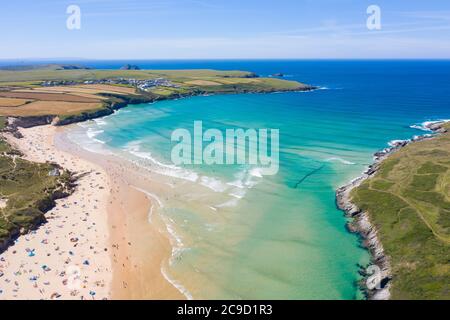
{"points": [[225, 79], [408, 201], [33, 76]]}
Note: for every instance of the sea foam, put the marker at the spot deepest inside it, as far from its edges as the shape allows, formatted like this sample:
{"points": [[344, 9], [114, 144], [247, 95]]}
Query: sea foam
{"points": [[425, 126], [337, 159], [214, 184], [134, 148], [176, 284]]}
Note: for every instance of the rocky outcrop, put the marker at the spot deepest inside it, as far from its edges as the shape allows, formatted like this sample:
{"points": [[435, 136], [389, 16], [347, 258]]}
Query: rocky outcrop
{"points": [[130, 67], [84, 116], [27, 122]]}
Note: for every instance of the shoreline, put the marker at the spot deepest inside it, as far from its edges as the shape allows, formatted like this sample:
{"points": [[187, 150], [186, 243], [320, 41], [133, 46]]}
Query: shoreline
{"points": [[360, 220]]}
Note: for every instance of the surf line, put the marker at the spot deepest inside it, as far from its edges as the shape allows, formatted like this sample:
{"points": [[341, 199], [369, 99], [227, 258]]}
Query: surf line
{"points": [[151, 195]]}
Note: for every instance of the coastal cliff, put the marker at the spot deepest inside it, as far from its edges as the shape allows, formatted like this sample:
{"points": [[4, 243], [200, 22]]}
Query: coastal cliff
{"points": [[362, 221]]}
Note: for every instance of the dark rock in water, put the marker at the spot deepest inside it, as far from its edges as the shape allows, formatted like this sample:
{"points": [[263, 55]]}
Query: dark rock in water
{"points": [[130, 67], [73, 67], [278, 75], [398, 143]]}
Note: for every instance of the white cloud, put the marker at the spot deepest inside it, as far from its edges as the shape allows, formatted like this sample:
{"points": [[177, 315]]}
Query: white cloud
{"points": [[276, 46]]}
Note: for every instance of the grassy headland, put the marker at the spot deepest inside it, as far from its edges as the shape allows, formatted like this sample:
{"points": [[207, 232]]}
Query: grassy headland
{"points": [[76, 93], [408, 202]]}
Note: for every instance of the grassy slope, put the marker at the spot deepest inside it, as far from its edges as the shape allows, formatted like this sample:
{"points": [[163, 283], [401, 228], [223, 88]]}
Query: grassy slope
{"points": [[408, 201], [29, 191], [2, 123]]}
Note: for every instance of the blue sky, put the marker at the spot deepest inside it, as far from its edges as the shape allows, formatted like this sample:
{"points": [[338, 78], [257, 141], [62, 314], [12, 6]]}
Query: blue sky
{"points": [[214, 29]]}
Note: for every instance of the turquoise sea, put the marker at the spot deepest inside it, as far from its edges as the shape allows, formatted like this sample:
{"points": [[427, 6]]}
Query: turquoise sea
{"points": [[238, 234]]}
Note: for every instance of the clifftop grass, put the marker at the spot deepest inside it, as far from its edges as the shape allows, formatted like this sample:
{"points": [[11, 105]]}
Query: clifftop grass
{"points": [[408, 201], [27, 191]]}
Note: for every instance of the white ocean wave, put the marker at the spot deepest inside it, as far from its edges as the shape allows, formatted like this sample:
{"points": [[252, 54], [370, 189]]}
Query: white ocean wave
{"points": [[85, 124], [134, 148], [150, 214], [237, 183], [176, 284], [214, 184], [425, 126], [328, 88], [419, 127], [230, 203], [427, 135], [238, 193], [245, 178], [151, 195], [395, 143], [87, 141], [337, 159], [256, 172], [100, 122], [176, 241], [92, 134]]}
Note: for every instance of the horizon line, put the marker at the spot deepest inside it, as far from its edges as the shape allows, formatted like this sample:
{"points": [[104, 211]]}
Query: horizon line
{"points": [[62, 59]]}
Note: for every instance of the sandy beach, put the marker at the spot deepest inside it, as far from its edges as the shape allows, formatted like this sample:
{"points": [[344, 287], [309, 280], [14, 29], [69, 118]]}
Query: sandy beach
{"points": [[98, 242], [67, 257]]}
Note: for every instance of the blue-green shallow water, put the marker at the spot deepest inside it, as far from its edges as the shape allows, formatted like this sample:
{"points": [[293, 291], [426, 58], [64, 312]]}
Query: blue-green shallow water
{"points": [[243, 236]]}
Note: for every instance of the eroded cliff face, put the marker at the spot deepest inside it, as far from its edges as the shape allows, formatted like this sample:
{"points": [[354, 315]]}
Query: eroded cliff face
{"points": [[361, 224]]}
